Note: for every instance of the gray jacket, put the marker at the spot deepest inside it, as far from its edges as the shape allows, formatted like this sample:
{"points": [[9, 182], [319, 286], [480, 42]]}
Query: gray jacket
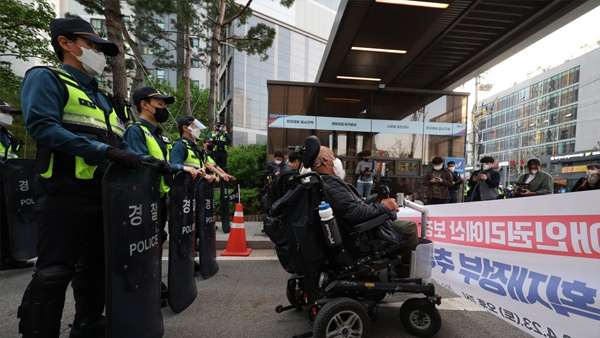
{"points": [[365, 164]]}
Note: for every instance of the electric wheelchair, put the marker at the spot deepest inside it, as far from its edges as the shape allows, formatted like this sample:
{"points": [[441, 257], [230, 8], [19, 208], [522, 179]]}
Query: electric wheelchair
{"points": [[339, 283]]}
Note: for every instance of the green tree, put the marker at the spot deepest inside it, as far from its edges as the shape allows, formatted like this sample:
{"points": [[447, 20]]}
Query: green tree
{"points": [[117, 32], [217, 16], [208, 21], [183, 29], [199, 100], [25, 34]]}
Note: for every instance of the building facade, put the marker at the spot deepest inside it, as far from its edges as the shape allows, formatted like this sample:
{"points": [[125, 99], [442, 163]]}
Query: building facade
{"points": [[551, 115], [296, 53]]}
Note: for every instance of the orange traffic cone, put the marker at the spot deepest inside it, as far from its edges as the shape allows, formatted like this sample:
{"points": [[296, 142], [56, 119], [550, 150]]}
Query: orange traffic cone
{"points": [[236, 245]]}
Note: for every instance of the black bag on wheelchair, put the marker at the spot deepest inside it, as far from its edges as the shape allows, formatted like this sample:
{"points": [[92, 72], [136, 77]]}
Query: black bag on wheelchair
{"points": [[299, 242]]}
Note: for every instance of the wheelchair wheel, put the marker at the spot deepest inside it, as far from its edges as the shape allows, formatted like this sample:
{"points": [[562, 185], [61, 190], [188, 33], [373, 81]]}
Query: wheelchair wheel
{"points": [[420, 317], [342, 317]]}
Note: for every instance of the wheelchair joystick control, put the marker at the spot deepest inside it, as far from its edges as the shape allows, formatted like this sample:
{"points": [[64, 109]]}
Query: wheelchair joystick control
{"points": [[330, 228]]}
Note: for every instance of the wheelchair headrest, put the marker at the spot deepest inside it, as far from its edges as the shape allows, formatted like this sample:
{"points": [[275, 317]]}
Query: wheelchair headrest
{"points": [[312, 147]]}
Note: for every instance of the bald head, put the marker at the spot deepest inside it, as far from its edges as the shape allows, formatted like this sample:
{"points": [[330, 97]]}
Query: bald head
{"points": [[325, 155]]}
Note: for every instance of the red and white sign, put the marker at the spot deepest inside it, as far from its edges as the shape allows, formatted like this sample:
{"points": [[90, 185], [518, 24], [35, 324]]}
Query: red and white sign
{"points": [[533, 261]]}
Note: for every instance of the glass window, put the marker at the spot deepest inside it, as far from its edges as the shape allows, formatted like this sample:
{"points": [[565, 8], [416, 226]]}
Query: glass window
{"points": [[195, 83], [160, 73], [147, 50], [160, 24], [195, 64], [195, 42], [100, 27]]}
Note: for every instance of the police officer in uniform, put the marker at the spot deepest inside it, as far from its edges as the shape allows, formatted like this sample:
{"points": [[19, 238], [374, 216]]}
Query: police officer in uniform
{"points": [[222, 140], [145, 138], [9, 144], [185, 151], [76, 131], [207, 157]]}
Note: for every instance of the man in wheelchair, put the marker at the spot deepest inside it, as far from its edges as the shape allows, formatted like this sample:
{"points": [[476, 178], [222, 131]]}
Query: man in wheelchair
{"points": [[350, 209]]}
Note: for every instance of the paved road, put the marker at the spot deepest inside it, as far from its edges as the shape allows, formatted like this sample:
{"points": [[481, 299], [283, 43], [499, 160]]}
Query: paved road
{"points": [[240, 300]]}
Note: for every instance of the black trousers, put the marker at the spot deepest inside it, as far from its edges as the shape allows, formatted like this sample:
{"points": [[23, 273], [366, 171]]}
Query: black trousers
{"points": [[71, 237], [220, 158]]}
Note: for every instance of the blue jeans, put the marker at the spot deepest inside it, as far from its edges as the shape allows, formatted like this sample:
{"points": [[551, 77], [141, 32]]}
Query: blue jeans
{"points": [[364, 189]]}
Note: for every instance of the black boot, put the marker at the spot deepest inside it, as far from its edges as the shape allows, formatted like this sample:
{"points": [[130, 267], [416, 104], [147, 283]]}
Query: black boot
{"points": [[88, 328], [10, 263], [164, 293]]}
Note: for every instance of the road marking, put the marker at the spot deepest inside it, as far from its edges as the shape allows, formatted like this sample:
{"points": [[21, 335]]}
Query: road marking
{"points": [[458, 303]]}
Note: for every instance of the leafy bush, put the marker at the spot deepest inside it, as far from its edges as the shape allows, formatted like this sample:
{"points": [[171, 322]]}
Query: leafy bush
{"points": [[246, 162]]}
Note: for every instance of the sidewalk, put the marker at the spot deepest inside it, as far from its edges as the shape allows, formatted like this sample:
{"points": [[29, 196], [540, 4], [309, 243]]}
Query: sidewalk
{"points": [[255, 239]]}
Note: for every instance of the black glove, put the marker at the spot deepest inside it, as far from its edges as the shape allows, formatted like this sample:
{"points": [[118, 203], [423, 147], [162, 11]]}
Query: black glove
{"points": [[127, 158], [163, 166]]}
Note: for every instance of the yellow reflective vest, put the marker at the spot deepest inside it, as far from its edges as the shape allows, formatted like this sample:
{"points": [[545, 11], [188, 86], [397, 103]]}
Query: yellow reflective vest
{"points": [[155, 151], [83, 118]]}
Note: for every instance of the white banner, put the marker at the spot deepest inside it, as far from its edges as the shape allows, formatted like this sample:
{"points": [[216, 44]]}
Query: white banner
{"points": [[366, 125], [533, 261]]}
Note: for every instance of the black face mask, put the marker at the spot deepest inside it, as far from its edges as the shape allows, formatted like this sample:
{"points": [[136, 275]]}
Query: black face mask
{"points": [[210, 147], [161, 114]]}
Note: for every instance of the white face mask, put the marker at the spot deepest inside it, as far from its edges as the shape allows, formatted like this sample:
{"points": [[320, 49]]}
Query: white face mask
{"points": [[195, 133], [93, 62], [338, 169], [485, 167], [278, 162], [6, 119], [437, 167], [533, 171], [451, 169], [587, 172]]}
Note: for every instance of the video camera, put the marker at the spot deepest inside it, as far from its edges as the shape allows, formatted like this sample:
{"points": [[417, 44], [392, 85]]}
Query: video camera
{"points": [[219, 126], [520, 187]]}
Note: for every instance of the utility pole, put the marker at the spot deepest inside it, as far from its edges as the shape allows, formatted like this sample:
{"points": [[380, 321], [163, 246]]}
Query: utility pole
{"points": [[475, 134], [518, 164]]}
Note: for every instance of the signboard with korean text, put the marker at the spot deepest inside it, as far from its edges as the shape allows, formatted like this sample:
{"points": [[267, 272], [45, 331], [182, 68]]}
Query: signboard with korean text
{"points": [[532, 261], [366, 125]]}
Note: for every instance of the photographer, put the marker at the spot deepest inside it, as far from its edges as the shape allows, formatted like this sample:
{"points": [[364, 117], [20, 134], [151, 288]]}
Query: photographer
{"points": [[536, 182], [484, 182], [222, 140], [365, 170], [437, 181], [275, 167]]}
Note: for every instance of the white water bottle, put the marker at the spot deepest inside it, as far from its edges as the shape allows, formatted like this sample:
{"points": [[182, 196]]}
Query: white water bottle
{"points": [[331, 231]]}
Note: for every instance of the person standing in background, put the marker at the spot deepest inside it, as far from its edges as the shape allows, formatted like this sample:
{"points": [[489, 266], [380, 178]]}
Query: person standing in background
{"points": [[365, 170], [457, 181], [438, 181]]}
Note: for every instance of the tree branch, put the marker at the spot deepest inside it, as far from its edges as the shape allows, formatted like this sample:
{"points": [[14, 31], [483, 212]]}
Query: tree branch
{"points": [[230, 20]]}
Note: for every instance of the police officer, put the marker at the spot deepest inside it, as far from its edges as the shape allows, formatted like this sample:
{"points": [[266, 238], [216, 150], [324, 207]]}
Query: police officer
{"points": [[9, 144], [76, 131], [210, 163], [222, 140], [185, 151], [145, 138]]}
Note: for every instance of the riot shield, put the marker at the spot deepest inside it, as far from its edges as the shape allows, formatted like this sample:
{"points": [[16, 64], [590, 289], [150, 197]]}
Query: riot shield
{"points": [[206, 229], [225, 219], [133, 251], [19, 194], [182, 239]]}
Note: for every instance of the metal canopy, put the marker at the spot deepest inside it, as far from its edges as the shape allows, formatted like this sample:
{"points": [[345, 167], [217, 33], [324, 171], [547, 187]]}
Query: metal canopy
{"points": [[445, 47]]}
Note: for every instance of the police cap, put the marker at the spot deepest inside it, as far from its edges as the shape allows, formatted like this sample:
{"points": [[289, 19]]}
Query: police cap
{"points": [[149, 93], [78, 26]]}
